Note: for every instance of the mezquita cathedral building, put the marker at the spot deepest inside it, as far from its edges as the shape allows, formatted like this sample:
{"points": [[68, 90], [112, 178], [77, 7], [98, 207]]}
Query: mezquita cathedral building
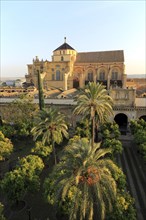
{"points": [[71, 69]]}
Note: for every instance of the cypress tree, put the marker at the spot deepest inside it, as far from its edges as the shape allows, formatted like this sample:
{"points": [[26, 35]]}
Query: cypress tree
{"points": [[40, 89]]}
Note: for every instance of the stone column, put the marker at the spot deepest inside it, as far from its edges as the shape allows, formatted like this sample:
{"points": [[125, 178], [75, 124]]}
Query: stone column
{"points": [[124, 81], [108, 80], [95, 75], [124, 78], [65, 81], [81, 81]]}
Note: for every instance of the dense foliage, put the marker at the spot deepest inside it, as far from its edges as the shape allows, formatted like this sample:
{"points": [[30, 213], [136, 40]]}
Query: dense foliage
{"points": [[24, 178], [8, 130], [83, 128], [42, 150], [50, 128], [114, 144], [85, 184], [18, 121], [85, 180], [1, 212], [83, 173], [110, 133], [109, 130], [123, 208], [138, 129], [16, 179], [6, 147]]}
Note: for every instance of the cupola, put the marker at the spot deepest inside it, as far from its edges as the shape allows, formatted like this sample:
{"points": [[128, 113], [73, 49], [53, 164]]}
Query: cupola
{"points": [[64, 53]]}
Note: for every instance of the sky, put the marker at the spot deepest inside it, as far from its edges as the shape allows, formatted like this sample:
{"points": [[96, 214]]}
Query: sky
{"points": [[36, 28]]}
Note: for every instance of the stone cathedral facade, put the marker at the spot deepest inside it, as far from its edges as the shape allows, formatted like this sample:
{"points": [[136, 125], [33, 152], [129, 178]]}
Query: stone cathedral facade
{"points": [[71, 69]]}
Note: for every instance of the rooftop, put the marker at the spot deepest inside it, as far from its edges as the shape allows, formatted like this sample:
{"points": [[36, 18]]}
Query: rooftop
{"points": [[65, 46], [101, 56]]}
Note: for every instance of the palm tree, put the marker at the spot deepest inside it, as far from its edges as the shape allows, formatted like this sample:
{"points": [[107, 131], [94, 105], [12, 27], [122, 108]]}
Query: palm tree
{"points": [[83, 166], [51, 127], [94, 102]]}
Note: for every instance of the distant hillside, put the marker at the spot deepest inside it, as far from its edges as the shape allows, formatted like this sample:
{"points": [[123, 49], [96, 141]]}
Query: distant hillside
{"points": [[130, 76], [136, 76], [11, 78]]}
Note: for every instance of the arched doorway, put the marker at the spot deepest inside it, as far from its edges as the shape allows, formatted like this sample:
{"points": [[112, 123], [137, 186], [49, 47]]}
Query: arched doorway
{"points": [[122, 120], [76, 83], [143, 117]]}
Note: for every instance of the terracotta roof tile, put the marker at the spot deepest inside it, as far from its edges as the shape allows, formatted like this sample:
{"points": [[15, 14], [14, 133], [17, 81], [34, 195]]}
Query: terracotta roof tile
{"points": [[99, 57]]}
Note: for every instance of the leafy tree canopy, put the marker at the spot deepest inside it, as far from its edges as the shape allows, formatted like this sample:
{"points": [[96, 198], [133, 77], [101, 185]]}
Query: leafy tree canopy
{"points": [[110, 129], [83, 128], [13, 185], [32, 164], [24, 178], [114, 144], [20, 114], [6, 147], [42, 150]]}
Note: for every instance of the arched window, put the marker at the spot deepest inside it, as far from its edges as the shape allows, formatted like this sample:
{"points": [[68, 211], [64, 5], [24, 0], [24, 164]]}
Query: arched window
{"points": [[58, 75], [62, 59], [102, 75], [90, 76], [114, 74]]}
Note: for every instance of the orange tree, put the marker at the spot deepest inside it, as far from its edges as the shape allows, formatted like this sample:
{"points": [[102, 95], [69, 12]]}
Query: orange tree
{"points": [[18, 116], [23, 179], [6, 147], [138, 129]]}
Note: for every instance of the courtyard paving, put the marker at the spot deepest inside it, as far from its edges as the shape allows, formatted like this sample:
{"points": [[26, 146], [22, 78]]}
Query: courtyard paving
{"points": [[135, 170]]}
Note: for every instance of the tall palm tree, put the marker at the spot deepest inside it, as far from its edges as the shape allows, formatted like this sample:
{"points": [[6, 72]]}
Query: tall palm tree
{"points": [[83, 166], [51, 127], [94, 101]]}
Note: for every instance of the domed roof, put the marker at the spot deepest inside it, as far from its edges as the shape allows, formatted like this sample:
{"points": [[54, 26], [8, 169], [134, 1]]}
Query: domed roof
{"points": [[65, 46]]}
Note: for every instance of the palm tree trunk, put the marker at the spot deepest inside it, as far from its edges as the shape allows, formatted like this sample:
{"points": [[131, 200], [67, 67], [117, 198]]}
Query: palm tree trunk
{"points": [[54, 152], [96, 133], [93, 125], [93, 131]]}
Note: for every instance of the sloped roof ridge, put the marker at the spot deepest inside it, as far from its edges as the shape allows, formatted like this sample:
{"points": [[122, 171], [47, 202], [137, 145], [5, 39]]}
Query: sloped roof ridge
{"points": [[64, 46], [102, 51]]}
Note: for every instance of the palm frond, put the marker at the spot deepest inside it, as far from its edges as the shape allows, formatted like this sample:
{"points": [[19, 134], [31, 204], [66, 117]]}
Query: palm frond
{"points": [[84, 168]]}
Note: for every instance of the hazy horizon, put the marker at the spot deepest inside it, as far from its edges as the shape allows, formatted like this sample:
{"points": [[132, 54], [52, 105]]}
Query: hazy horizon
{"points": [[21, 77]]}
